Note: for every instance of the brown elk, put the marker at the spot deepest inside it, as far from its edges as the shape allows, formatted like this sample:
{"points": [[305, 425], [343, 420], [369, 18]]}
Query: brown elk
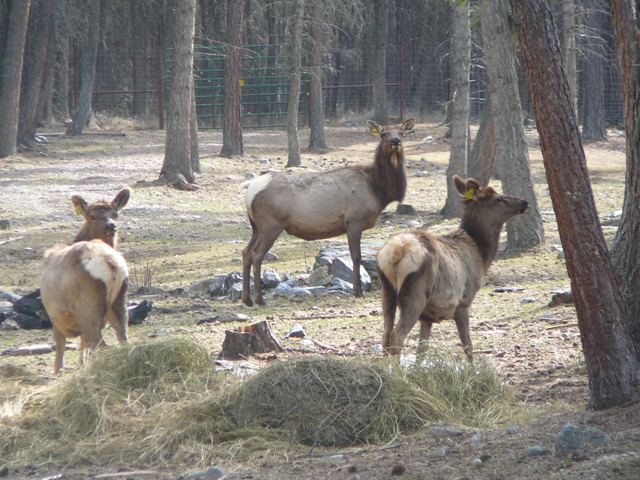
{"points": [[314, 206], [432, 278], [84, 285]]}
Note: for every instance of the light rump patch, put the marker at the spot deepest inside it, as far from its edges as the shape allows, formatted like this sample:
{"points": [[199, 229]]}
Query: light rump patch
{"points": [[104, 264], [401, 256], [254, 187]]}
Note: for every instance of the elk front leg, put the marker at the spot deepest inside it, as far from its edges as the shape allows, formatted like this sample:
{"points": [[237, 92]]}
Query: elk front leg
{"points": [[461, 317], [354, 236]]}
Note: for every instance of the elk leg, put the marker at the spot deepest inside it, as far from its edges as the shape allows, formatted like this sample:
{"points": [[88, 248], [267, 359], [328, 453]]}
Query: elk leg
{"points": [[411, 305], [118, 315], [389, 303], [462, 323], [247, 260], [354, 236], [60, 342], [262, 246], [425, 333]]}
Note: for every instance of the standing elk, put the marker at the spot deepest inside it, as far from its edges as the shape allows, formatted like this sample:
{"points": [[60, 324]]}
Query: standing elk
{"points": [[432, 278], [84, 285], [315, 206]]}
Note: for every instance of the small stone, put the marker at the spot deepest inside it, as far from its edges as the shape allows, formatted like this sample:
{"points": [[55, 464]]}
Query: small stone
{"points": [[403, 209], [477, 463], [212, 473], [476, 439], [270, 257], [270, 278], [536, 451], [296, 332]]}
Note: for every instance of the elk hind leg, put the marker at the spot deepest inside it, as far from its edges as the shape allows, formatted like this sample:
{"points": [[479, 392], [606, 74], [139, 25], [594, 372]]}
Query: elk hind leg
{"points": [[389, 303], [118, 315], [264, 242], [60, 342], [425, 333], [411, 303], [247, 261]]}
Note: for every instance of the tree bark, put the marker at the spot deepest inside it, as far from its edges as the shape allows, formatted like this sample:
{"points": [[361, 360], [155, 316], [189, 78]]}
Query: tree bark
{"points": [[379, 61], [625, 251], [232, 134], [177, 168], [294, 91], [34, 76], [317, 142], [87, 70], [11, 76], [612, 364], [61, 98], [569, 47], [483, 153], [593, 123], [512, 156], [461, 59]]}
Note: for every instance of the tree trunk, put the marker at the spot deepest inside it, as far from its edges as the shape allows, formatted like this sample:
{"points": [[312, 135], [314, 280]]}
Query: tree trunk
{"points": [[194, 151], [61, 99], [11, 76], [39, 45], [317, 141], [177, 168], [483, 153], [87, 70], [232, 134], [461, 59], [294, 92], [625, 251], [612, 365], [379, 61], [593, 123], [139, 55], [569, 47], [512, 157]]}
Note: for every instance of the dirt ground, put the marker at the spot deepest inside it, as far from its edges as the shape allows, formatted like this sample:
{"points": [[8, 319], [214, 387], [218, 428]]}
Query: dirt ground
{"points": [[172, 239]]}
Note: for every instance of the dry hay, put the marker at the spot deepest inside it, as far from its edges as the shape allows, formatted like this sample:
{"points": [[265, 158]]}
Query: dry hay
{"points": [[161, 404]]}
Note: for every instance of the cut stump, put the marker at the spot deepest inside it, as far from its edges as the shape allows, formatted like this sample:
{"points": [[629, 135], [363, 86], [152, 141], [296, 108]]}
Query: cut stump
{"points": [[246, 341]]}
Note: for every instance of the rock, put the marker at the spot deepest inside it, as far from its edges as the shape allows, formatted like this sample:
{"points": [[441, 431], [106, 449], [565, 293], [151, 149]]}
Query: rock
{"points": [[442, 432], [513, 430], [338, 284], [270, 279], [403, 209], [320, 277], [150, 290], [9, 324], [528, 300], [11, 297], [137, 313], [208, 285], [476, 439], [299, 292], [536, 451], [317, 291], [284, 287], [564, 297], [235, 293], [226, 317], [421, 173], [270, 257], [296, 332], [5, 224], [28, 322], [343, 269], [477, 463], [212, 473], [575, 438]]}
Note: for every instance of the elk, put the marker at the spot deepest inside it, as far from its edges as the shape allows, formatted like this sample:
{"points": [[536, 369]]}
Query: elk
{"points": [[432, 278], [315, 206], [84, 285]]}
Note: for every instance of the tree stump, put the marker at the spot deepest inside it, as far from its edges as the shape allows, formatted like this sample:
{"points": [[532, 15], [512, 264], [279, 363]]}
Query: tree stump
{"points": [[249, 340]]}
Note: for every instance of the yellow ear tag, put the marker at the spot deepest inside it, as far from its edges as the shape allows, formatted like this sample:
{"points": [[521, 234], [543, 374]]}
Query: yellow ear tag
{"points": [[470, 193], [79, 210]]}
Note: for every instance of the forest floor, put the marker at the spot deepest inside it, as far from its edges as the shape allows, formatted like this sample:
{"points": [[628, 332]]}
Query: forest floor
{"points": [[173, 238]]}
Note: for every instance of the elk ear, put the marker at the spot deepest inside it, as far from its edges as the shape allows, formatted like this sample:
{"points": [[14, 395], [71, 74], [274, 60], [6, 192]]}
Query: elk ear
{"points": [[374, 127], [80, 204], [121, 198], [461, 185], [408, 125]]}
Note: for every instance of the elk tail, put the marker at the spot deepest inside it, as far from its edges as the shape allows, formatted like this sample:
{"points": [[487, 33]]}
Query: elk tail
{"points": [[402, 255]]}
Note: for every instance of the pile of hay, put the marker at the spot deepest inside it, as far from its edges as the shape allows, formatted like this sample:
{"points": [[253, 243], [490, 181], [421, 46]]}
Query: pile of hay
{"points": [[162, 404]]}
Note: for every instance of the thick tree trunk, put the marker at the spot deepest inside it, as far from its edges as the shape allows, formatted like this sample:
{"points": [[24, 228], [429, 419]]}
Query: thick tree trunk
{"points": [[593, 123], [177, 168], [317, 141], [461, 59], [61, 98], [11, 76], [483, 153], [612, 365], [569, 47], [512, 156], [232, 134], [294, 91], [87, 70], [625, 251], [39, 45], [379, 61]]}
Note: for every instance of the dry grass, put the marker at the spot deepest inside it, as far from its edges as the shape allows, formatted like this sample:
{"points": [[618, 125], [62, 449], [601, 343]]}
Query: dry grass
{"points": [[159, 403]]}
